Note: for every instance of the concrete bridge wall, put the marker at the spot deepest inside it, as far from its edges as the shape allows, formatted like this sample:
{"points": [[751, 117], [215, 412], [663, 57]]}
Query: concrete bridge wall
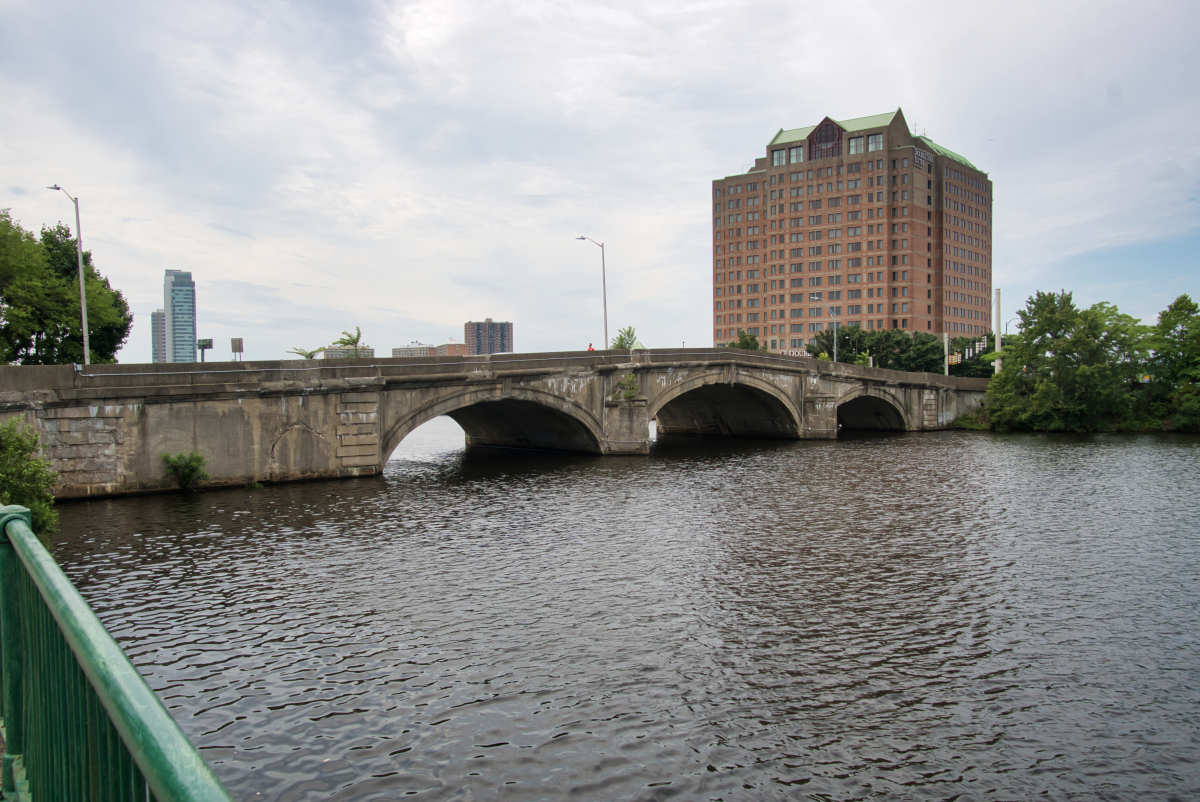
{"points": [[105, 429]]}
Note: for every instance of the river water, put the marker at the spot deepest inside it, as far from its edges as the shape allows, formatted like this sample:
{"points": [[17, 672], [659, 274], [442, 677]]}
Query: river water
{"points": [[945, 616]]}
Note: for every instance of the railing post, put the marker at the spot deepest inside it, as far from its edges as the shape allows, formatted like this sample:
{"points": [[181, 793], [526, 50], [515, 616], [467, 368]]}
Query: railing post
{"points": [[12, 655]]}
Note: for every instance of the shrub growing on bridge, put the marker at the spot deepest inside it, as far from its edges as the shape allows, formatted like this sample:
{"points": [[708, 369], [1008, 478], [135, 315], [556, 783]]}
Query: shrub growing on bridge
{"points": [[186, 469], [627, 388]]}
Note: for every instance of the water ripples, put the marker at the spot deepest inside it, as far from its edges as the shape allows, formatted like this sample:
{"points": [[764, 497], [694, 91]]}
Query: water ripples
{"points": [[942, 616]]}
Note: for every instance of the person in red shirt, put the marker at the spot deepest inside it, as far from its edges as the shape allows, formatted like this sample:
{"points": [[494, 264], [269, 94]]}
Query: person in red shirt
{"points": [[590, 348]]}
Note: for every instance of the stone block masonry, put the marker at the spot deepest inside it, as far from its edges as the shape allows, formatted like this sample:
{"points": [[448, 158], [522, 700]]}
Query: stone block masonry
{"points": [[105, 429]]}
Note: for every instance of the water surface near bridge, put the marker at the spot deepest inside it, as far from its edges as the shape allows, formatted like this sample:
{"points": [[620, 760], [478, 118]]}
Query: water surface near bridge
{"points": [[931, 616]]}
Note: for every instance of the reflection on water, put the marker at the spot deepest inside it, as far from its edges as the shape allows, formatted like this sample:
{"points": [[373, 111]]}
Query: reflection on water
{"points": [[934, 616]]}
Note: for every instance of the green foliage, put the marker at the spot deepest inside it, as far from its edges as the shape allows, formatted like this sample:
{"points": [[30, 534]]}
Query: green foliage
{"points": [[1175, 363], [977, 420], [1183, 408], [627, 388], [977, 367], [1097, 369], [747, 342], [109, 318], [1068, 371], [304, 354], [895, 349], [186, 469], [26, 478], [1175, 341], [851, 341], [39, 291], [353, 341], [626, 340]]}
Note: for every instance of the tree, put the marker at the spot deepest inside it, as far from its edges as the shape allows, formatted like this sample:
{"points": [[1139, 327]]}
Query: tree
{"points": [[35, 302], [39, 296], [349, 340], [626, 340], [895, 349], [304, 354], [974, 367], [1175, 342], [109, 318], [851, 341], [1175, 347], [1069, 370], [747, 342], [26, 478]]}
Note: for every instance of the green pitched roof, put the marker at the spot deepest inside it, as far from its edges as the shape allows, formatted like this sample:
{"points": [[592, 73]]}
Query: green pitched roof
{"points": [[944, 151], [856, 124]]}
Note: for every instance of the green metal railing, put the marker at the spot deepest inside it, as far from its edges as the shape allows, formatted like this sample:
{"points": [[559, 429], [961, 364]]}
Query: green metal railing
{"points": [[79, 723]]}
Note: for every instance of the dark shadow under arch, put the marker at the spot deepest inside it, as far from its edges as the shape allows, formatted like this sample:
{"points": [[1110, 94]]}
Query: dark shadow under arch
{"points": [[870, 413], [512, 423], [722, 409]]}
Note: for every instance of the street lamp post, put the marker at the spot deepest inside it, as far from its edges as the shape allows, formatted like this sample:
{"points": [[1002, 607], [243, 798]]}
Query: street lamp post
{"points": [[79, 259], [835, 330], [603, 286]]}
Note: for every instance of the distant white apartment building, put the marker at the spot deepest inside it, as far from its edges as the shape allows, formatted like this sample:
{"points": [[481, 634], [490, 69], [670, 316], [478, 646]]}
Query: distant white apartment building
{"points": [[414, 349], [348, 352]]}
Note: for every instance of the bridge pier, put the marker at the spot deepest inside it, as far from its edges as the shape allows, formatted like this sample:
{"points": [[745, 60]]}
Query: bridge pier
{"points": [[626, 427]]}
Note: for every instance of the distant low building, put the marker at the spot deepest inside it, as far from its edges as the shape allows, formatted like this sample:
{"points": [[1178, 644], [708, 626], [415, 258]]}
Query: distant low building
{"points": [[414, 349], [346, 352], [452, 348], [489, 337]]}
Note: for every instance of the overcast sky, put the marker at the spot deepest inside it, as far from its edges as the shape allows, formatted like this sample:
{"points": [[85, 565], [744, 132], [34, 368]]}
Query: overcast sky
{"points": [[408, 166]]}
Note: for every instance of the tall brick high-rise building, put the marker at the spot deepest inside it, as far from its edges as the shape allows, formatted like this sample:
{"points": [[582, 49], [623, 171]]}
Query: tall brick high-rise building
{"points": [[488, 337], [854, 223]]}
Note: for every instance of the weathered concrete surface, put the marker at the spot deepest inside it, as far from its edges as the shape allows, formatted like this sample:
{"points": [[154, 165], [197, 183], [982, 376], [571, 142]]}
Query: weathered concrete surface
{"points": [[105, 430]]}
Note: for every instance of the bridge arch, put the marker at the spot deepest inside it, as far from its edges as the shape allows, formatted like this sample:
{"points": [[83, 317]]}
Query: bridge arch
{"points": [[711, 404], [871, 409], [522, 418]]}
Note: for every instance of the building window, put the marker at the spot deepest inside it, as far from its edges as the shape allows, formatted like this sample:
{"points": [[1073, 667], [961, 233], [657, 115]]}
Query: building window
{"points": [[826, 142], [856, 145], [778, 158], [795, 156], [874, 142]]}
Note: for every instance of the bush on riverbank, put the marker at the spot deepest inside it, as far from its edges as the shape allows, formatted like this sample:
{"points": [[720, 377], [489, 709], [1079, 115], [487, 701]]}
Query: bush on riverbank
{"points": [[26, 478], [1096, 369]]}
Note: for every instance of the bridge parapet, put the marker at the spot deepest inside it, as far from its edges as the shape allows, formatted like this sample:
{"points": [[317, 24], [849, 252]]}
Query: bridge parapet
{"points": [[105, 427]]}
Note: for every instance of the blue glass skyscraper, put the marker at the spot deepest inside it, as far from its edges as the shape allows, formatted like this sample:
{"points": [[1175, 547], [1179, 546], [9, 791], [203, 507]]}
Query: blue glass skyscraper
{"points": [[179, 304]]}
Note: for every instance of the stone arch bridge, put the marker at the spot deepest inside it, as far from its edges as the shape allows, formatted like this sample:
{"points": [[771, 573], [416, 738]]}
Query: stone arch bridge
{"points": [[105, 427]]}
